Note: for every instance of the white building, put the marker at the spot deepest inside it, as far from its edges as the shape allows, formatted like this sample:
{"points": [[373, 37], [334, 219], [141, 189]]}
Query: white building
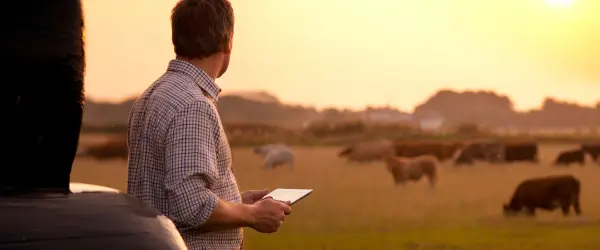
{"points": [[431, 123], [386, 115]]}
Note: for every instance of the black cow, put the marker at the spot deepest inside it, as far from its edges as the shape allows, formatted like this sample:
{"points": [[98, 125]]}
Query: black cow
{"points": [[521, 152], [490, 151], [546, 193], [593, 149], [570, 156]]}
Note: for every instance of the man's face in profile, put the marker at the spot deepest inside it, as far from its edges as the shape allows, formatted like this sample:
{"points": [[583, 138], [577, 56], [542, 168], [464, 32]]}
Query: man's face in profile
{"points": [[225, 64], [226, 58]]}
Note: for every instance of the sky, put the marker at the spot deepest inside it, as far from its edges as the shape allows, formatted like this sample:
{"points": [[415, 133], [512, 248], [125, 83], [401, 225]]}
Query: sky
{"points": [[350, 54]]}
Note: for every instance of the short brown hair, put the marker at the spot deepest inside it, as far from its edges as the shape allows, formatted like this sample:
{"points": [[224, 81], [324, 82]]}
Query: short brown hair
{"points": [[201, 28]]}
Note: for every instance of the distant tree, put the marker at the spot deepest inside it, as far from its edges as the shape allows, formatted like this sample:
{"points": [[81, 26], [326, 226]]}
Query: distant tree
{"points": [[468, 107], [468, 129]]}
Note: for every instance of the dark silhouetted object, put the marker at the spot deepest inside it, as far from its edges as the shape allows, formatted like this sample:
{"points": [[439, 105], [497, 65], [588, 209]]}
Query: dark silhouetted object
{"points": [[524, 151], [41, 104], [442, 151], [488, 151], [570, 156], [593, 149], [546, 193]]}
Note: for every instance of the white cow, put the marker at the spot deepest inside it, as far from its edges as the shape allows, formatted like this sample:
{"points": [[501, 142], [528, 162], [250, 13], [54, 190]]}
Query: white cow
{"points": [[275, 155]]}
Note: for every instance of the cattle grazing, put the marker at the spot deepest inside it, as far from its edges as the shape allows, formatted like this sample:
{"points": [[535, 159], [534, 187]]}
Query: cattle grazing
{"points": [[593, 149], [442, 151], [546, 193], [404, 169], [490, 151], [367, 151], [570, 156], [525, 151], [275, 155]]}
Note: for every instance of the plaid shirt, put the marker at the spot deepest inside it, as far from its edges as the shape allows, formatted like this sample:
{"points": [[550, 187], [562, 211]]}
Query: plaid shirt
{"points": [[179, 157]]}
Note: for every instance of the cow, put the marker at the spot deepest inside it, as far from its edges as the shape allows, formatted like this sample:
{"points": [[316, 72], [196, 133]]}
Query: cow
{"points": [[523, 151], [404, 169], [367, 151], [593, 149], [546, 193], [570, 156], [442, 151], [490, 151], [275, 155]]}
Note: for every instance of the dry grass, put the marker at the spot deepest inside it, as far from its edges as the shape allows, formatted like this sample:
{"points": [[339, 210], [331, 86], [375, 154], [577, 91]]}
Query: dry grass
{"points": [[357, 206]]}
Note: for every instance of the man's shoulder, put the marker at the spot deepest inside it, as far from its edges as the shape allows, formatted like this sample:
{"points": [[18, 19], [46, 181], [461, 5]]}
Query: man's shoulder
{"points": [[172, 92]]}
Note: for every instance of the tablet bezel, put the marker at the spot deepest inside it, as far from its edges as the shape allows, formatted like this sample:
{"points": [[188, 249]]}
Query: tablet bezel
{"points": [[308, 192]]}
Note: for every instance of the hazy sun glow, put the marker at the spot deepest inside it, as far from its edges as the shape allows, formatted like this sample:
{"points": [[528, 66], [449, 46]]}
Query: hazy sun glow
{"points": [[560, 3], [348, 54]]}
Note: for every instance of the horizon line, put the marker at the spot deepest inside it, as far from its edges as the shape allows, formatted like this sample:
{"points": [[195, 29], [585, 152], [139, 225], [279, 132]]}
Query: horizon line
{"points": [[383, 105]]}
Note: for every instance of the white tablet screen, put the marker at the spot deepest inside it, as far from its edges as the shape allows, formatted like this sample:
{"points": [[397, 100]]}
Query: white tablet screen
{"points": [[291, 195]]}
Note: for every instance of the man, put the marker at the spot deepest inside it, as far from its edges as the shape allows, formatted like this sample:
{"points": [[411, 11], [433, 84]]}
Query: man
{"points": [[179, 157]]}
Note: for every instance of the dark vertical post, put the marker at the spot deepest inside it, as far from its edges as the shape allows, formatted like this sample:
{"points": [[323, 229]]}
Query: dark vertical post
{"points": [[41, 93]]}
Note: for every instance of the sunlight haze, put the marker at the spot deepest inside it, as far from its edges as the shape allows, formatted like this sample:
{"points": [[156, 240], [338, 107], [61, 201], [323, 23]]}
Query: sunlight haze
{"points": [[347, 53]]}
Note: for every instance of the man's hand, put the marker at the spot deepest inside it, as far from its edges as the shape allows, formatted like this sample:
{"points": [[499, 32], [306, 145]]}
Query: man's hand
{"points": [[252, 196], [269, 214]]}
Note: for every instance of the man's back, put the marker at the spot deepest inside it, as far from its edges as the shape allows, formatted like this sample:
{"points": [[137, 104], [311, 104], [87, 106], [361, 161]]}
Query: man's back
{"points": [[175, 135]]}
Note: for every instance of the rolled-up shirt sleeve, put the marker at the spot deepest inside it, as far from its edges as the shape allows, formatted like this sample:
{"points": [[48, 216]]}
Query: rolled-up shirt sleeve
{"points": [[191, 165]]}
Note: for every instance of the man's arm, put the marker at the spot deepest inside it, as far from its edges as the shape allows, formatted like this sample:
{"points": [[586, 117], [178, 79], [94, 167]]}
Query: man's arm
{"points": [[191, 167]]}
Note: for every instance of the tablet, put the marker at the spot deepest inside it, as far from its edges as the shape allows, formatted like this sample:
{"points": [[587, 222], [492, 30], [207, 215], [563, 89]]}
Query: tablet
{"points": [[291, 195]]}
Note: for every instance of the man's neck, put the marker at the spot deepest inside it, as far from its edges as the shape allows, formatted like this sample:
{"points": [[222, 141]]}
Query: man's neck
{"points": [[207, 65]]}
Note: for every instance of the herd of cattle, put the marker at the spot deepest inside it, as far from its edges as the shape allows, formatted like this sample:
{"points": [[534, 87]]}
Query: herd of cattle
{"points": [[412, 161], [462, 153]]}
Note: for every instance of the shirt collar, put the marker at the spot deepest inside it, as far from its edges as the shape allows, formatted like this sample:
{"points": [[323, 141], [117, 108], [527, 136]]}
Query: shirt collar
{"points": [[198, 76]]}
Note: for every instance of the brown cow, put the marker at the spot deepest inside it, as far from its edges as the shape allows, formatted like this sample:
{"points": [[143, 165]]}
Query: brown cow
{"points": [[570, 156], [546, 193], [442, 151], [521, 151], [593, 149], [404, 169], [485, 150], [367, 151]]}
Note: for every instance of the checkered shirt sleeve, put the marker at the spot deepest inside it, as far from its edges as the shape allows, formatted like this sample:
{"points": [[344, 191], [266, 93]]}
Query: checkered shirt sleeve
{"points": [[191, 164]]}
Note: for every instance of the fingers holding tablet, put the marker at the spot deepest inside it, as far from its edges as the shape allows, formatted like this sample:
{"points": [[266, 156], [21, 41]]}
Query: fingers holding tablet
{"points": [[268, 215], [270, 211]]}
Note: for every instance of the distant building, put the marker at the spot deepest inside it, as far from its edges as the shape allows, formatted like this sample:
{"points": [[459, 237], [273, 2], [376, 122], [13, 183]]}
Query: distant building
{"points": [[433, 123], [386, 115]]}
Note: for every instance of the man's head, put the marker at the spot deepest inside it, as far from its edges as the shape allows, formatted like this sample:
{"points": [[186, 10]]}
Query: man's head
{"points": [[203, 30]]}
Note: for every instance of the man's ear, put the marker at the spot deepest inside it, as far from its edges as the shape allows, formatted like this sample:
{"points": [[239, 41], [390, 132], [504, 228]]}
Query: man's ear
{"points": [[228, 47]]}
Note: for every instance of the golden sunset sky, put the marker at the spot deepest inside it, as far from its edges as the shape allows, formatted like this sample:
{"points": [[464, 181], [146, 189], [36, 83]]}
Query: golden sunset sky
{"points": [[353, 53]]}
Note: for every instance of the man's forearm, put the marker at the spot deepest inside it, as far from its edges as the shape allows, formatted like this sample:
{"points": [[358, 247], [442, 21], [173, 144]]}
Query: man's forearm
{"points": [[228, 215]]}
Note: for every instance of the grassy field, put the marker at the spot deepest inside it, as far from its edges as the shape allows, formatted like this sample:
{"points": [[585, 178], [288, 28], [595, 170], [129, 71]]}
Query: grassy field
{"points": [[358, 207]]}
